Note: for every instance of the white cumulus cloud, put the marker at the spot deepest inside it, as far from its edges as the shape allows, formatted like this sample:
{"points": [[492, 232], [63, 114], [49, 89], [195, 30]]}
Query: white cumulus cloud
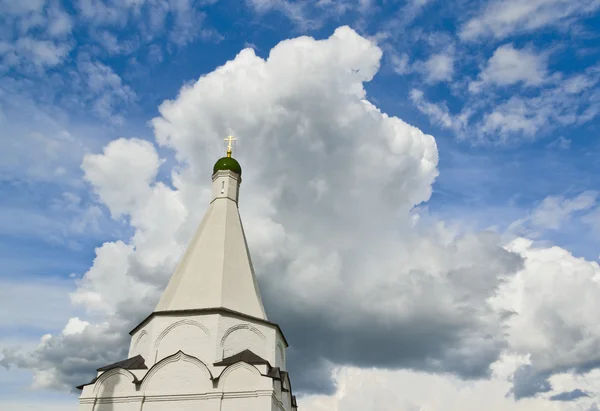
{"points": [[501, 18], [509, 66]]}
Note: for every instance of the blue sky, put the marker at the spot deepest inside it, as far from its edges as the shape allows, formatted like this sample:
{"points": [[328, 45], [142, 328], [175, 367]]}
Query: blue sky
{"points": [[509, 91]]}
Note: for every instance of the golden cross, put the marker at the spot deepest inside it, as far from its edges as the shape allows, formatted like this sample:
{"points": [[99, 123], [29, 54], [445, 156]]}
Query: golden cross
{"points": [[229, 140]]}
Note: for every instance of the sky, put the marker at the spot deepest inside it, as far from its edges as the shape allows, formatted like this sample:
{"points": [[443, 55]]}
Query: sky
{"points": [[420, 190]]}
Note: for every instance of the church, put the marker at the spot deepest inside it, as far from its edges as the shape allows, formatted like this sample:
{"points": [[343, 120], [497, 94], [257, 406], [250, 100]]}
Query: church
{"points": [[208, 345]]}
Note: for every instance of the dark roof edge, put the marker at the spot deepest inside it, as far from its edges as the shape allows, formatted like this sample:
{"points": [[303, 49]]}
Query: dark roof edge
{"points": [[218, 377], [80, 387], [286, 375], [247, 356], [134, 363], [219, 310]]}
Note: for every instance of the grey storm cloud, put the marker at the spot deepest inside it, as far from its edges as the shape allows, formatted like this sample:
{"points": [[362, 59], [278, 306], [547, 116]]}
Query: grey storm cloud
{"points": [[527, 382], [570, 395]]}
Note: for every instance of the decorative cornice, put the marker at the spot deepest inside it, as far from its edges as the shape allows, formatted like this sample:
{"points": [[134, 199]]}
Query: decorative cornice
{"points": [[205, 311], [217, 395], [112, 400], [175, 397], [246, 394]]}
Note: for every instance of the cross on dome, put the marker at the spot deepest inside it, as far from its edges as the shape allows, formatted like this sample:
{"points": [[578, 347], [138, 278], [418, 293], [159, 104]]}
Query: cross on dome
{"points": [[228, 162], [229, 141]]}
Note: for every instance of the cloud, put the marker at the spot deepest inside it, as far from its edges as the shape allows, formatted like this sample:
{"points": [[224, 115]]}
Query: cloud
{"points": [[554, 210], [41, 52], [528, 117], [174, 129], [28, 154], [313, 14], [339, 260], [592, 219], [102, 88], [38, 405], [126, 166], [400, 63], [75, 326], [375, 389], [180, 21], [60, 22], [552, 213], [336, 247], [40, 35], [53, 224], [517, 95], [438, 67], [439, 113], [20, 8], [101, 12], [299, 13], [499, 19], [27, 50], [401, 20], [509, 66], [439, 63], [558, 334], [35, 35], [561, 143], [527, 382], [78, 353], [509, 119], [570, 395]]}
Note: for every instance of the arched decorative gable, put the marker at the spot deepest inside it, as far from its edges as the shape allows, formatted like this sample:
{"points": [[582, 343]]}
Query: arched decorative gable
{"points": [[115, 383], [241, 337], [240, 377], [186, 335], [180, 374]]}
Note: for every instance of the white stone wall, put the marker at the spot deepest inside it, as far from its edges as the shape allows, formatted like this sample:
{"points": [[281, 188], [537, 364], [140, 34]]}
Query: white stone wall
{"points": [[225, 185]]}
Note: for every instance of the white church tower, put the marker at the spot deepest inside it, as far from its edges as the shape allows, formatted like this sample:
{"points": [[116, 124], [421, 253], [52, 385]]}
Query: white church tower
{"points": [[208, 346]]}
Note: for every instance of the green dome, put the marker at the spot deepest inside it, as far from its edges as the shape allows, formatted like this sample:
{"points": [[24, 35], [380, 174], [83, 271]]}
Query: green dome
{"points": [[228, 163]]}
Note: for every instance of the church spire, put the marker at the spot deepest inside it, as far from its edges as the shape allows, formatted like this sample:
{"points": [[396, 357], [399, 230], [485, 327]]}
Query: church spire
{"points": [[216, 270]]}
